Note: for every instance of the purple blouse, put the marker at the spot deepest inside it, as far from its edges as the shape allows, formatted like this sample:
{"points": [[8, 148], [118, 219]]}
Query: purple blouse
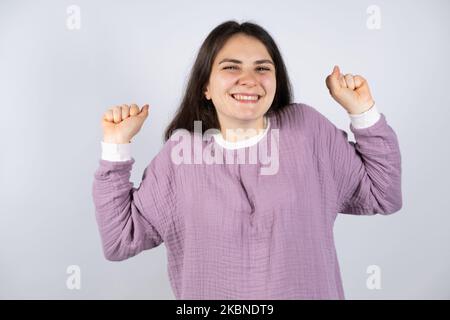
{"points": [[242, 230]]}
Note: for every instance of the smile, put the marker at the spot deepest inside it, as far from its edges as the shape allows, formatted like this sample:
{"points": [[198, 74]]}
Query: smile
{"points": [[246, 99]]}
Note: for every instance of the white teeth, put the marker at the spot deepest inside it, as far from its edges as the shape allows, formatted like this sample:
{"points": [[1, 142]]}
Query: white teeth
{"points": [[239, 97]]}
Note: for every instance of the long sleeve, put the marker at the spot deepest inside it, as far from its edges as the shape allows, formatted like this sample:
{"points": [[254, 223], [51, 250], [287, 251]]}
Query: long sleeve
{"points": [[131, 219], [367, 173]]}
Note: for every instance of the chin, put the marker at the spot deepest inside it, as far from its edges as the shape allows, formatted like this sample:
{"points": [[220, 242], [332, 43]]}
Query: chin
{"points": [[248, 116], [251, 113]]}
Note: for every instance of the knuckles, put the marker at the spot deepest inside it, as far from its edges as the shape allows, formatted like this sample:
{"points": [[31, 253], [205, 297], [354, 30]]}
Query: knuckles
{"points": [[120, 112]]}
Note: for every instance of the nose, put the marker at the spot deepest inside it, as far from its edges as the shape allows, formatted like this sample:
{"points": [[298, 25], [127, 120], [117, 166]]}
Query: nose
{"points": [[247, 78]]}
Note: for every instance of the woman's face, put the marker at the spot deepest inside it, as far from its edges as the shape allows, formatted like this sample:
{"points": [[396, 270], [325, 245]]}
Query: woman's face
{"points": [[251, 71]]}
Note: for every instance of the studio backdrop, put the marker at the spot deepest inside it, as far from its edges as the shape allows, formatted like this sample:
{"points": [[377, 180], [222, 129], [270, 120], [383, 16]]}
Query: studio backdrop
{"points": [[64, 63]]}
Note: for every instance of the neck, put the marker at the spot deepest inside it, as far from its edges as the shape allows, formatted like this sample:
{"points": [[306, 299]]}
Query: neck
{"points": [[238, 130]]}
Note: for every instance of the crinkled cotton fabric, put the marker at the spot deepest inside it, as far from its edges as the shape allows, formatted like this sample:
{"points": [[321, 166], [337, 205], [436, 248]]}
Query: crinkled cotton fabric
{"points": [[230, 231]]}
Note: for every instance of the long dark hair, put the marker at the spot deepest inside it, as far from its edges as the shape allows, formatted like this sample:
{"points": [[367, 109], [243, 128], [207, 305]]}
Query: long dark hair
{"points": [[195, 106]]}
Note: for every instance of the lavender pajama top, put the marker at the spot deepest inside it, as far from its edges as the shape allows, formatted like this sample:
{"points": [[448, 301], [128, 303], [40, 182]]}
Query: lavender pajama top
{"points": [[232, 232]]}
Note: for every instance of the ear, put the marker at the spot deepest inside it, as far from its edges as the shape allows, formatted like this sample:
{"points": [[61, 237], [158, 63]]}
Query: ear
{"points": [[206, 92]]}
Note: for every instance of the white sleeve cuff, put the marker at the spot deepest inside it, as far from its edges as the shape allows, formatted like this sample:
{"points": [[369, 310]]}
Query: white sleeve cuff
{"points": [[365, 119], [116, 151]]}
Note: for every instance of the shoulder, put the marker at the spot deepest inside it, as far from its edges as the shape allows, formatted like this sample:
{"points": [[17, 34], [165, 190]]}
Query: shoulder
{"points": [[302, 115], [303, 121], [181, 148], [161, 164]]}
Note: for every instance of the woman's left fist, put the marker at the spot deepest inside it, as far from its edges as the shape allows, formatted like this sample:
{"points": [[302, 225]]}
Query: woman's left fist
{"points": [[351, 92]]}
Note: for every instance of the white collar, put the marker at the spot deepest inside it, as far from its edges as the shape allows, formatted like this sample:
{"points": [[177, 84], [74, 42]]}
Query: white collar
{"points": [[242, 143]]}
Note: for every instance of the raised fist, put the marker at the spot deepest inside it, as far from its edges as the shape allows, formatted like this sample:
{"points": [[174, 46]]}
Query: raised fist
{"points": [[121, 123]]}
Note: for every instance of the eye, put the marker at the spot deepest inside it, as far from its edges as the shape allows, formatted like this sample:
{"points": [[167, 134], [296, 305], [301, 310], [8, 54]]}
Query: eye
{"points": [[259, 68]]}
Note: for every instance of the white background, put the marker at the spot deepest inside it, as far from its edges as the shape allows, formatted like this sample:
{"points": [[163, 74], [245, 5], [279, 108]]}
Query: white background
{"points": [[55, 83]]}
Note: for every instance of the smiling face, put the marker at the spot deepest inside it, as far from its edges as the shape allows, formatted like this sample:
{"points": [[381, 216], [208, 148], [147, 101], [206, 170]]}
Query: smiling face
{"points": [[243, 66]]}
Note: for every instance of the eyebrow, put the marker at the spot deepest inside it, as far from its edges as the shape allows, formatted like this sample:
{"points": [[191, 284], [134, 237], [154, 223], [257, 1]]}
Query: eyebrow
{"points": [[240, 62]]}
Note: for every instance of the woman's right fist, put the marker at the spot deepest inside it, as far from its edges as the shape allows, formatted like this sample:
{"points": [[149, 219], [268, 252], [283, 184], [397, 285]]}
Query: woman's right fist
{"points": [[121, 123]]}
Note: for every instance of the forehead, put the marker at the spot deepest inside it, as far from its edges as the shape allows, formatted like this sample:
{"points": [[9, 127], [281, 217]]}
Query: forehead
{"points": [[243, 48]]}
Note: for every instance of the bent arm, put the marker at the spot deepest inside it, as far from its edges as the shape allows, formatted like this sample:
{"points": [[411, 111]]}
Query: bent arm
{"points": [[130, 219]]}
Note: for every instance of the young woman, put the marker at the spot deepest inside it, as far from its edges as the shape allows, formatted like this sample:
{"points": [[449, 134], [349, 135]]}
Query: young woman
{"points": [[233, 228]]}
